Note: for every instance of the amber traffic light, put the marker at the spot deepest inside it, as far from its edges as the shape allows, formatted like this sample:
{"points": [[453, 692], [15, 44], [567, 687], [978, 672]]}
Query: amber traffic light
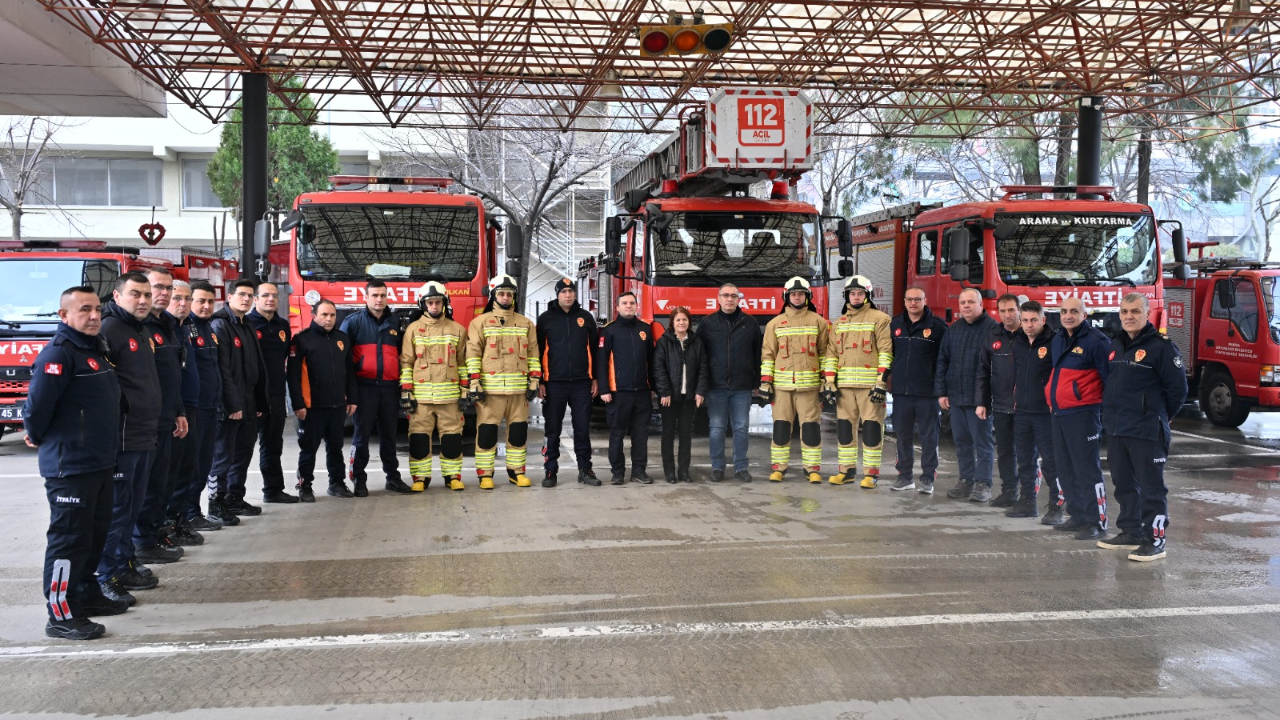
{"points": [[695, 39]]}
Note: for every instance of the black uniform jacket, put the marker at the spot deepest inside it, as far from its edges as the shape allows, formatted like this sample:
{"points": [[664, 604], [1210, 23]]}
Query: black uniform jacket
{"points": [[244, 377], [72, 409], [1146, 385], [915, 353], [624, 355], [129, 350], [566, 341], [273, 338], [321, 371]]}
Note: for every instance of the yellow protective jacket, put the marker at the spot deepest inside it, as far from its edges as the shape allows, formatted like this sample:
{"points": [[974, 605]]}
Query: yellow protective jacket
{"points": [[432, 359], [502, 351], [860, 348], [793, 346]]}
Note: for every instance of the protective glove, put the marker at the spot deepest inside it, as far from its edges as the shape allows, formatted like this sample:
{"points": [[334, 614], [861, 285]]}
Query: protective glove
{"points": [[477, 391], [766, 393], [408, 403], [878, 395], [829, 394], [532, 392], [464, 403]]}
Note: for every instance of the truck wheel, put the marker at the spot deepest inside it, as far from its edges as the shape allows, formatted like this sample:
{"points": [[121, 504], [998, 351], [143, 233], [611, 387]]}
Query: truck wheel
{"points": [[1220, 403]]}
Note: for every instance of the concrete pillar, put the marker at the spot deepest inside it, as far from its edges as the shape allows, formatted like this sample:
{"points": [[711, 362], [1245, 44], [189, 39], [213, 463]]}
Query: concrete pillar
{"points": [[253, 159], [1089, 141]]}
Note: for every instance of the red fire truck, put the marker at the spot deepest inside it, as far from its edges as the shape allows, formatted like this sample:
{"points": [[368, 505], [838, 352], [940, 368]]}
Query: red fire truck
{"points": [[1225, 318], [340, 238], [34, 272], [689, 224], [1046, 249]]}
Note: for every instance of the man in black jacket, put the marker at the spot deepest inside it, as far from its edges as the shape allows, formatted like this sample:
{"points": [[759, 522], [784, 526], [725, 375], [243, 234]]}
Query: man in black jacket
{"points": [[956, 383], [150, 544], [1032, 426], [995, 393], [130, 351], [625, 358], [917, 333], [244, 399], [567, 336], [322, 389], [185, 503], [1146, 385], [74, 392], [733, 341], [273, 335]]}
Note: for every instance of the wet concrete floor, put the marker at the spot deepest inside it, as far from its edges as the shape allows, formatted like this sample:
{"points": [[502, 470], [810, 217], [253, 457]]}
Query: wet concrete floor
{"points": [[719, 601]]}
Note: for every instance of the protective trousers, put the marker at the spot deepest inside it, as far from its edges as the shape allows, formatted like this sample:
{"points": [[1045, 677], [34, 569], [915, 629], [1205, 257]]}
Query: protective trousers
{"points": [[1137, 469], [1033, 438], [859, 419], [445, 418], [322, 424], [79, 516], [787, 405], [271, 444], [576, 395], [490, 412], [1076, 446], [380, 406]]}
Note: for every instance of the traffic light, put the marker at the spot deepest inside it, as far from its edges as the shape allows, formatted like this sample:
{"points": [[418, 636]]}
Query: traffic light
{"points": [[681, 39]]}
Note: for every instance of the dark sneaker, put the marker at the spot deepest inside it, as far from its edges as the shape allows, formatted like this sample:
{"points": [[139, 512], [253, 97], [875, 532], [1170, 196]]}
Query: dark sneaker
{"points": [[279, 496], [1122, 540], [743, 475], [360, 488], [203, 524], [339, 489], [184, 536], [396, 485], [1071, 525], [903, 484], [617, 480], [1090, 532], [237, 506], [684, 476], [1146, 553], [1054, 515], [139, 568], [588, 477], [157, 554], [717, 475], [642, 478], [74, 629], [130, 579], [549, 480], [219, 511], [961, 491], [305, 494], [1005, 499], [92, 603], [981, 493], [1025, 508], [671, 478], [926, 487], [115, 592]]}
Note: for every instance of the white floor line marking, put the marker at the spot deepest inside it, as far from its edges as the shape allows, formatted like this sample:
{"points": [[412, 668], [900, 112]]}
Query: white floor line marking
{"points": [[1225, 442], [633, 630]]}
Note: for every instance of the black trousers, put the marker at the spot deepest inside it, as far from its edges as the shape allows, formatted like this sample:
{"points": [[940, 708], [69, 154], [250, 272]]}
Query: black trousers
{"points": [[1033, 435], [1006, 451], [576, 395], [182, 465], [917, 416], [232, 452], [159, 486], [271, 445], [1076, 447], [380, 406], [322, 424], [629, 413], [677, 419], [79, 517], [1137, 470], [193, 471]]}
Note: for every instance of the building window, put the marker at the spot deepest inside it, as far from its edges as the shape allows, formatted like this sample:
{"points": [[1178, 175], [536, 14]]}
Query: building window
{"points": [[197, 192], [353, 168], [102, 182]]}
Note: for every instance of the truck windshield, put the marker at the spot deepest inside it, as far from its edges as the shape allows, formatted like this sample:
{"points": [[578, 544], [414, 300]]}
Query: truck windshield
{"points": [[30, 289], [709, 248], [1078, 249], [1271, 305], [399, 242]]}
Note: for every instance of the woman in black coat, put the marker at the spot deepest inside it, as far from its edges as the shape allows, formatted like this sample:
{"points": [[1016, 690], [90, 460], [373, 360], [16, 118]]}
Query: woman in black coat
{"points": [[682, 375]]}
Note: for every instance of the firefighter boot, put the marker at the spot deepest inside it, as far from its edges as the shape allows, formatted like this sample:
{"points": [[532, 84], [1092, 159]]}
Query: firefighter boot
{"points": [[776, 476], [519, 479], [455, 483], [814, 477], [420, 484], [838, 478], [869, 482], [486, 482]]}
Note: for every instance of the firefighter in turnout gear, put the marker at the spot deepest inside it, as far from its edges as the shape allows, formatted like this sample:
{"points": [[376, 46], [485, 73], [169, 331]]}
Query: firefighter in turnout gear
{"points": [[859, 352], [794, 343], [504, 371], [431, 362]]}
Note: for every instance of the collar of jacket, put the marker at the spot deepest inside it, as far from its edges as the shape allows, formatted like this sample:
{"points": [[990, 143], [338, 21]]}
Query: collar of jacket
{"points": [[852, 312], [227, 314], [273, 319], [119, 313], [1045, 335], [320, 328], [165, 320], [792, 312], [74, 336], [556, 306], [503, 314], [1145, 333], [1082, 331], [628, 321], [906, 319]]}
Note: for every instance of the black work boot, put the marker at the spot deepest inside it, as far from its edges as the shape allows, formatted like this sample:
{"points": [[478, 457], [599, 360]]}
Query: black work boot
{"points": [[237, 506], [962, 490], [549, 480], [1024, 508], [588, 477], [115, 592], [1054, 515], [279, 496], [339, 489], [305, 493], [220, 512], [75, 628], [1006, 498], [395, 485]]}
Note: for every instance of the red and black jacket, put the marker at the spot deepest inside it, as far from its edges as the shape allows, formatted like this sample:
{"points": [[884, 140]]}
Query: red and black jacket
{"points": [[375, 347], [1079, 369]]}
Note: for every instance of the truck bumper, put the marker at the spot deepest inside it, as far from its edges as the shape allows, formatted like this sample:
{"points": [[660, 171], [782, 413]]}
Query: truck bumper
{"points": [[1268, 397]]}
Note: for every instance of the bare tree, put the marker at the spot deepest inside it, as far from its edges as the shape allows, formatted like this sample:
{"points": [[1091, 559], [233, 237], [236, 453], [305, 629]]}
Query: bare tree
{"points": [[524, 172], [24, 166], [1261, 180], [850, 168]]}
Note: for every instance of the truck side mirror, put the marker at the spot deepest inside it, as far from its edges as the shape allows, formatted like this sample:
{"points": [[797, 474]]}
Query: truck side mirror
{"points": [[845, 268], [612, 236], [291, 221], [262, 237], [1183, 270], [514, 237], [844, 239], [1005, 229], [959, 238], [513, 267], [612, 265], [1226, 294]]}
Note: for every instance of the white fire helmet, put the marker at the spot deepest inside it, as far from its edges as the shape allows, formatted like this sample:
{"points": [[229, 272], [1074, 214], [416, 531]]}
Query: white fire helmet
{"points": [[857, 282], [433, 289], [502, 282], [797, 283]]}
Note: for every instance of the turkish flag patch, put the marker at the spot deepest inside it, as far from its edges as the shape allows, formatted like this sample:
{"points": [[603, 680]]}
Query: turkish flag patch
{"points": [[898, 332], [1112, 356], [258, 333], [158, 338], [52, 369], [93, 364], [237, 342], [200, 342], [995, 345], [133, 345]]}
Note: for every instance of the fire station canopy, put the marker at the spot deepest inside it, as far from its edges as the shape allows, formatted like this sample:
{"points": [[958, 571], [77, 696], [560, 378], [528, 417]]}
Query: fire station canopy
{"points": [[953, 67]]}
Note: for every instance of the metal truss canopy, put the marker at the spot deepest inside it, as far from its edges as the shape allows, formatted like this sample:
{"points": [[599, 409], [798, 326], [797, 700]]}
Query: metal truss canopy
{"points": [[891, 67]]}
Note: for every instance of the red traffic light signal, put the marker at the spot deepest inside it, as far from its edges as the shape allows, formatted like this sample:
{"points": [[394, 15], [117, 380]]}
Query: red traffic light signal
{"points": [[695, 39]]}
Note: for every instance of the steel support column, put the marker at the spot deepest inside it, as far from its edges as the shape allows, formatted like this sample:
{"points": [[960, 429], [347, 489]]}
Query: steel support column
{"points": [[1089, 142], [253, 162]]}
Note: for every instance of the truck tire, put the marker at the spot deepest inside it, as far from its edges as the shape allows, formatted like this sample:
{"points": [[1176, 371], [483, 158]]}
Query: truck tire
{"points": [[1219, 401]]}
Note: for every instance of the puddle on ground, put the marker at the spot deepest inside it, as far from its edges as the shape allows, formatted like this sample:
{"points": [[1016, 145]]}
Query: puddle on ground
{"points": [[804, 505]]}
